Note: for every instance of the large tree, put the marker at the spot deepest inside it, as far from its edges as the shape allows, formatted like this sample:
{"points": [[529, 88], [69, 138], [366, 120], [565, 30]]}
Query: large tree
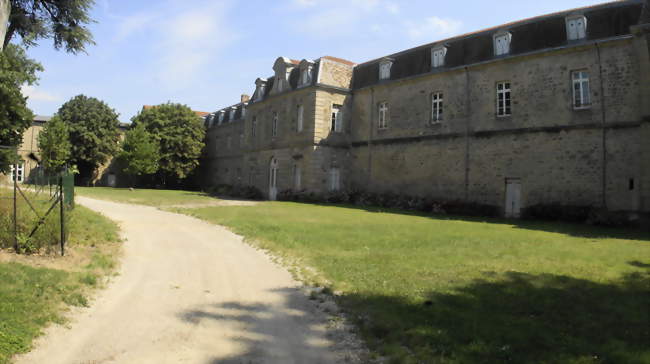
{"points": [[179, 132], [140, 152], [15, 70], [64, 21], [94, 133], [54, 144]]}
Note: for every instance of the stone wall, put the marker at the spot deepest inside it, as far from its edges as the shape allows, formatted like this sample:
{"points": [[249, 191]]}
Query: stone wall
{"points": [[335, 73], [596, 155], [642, 45], [561, 155]]}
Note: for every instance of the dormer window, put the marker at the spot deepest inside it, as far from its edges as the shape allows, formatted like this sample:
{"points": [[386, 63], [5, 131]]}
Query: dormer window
{"points": [[278, 84], [438, 56], [502, 43], [221, 116], [231, 117], [282, 67], [260, 89], [305, 75], [576, 27], [384, 68]]}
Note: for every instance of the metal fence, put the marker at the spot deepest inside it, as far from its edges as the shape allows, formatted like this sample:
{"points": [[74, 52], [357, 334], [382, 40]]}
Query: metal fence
{"points": [[35, 204]]}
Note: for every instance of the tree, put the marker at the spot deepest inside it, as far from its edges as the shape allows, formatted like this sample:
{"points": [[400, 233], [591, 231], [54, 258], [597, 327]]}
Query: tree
{"points": [[93, 133], [179, 133], [62, 20], [15, 70], [54, 144], [140, 152]]}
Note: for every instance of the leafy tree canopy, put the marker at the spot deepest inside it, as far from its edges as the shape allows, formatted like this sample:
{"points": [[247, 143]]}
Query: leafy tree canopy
{"points": [[179, 132], [94, 132], [15, 70], [54, 144], [140, 152], [64, 21]]}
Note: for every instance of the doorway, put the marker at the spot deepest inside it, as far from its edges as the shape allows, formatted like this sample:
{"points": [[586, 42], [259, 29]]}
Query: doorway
{"points": [[273, 180], [513, 198]]}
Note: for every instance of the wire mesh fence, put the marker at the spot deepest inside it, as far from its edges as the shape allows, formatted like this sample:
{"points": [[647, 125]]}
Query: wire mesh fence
{"points": [[33, 216]]}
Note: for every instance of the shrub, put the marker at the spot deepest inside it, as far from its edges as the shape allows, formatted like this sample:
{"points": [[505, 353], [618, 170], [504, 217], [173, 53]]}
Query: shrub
{"points": [[236, 191], [557, 212], [602, 217]]}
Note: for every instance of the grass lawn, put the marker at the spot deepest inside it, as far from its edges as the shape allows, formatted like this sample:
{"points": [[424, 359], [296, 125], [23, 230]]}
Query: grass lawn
{"points": [[156, 198], [36, 290], [426, 289]]}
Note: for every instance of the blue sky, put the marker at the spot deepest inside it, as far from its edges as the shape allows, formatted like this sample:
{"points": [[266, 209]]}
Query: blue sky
{"points": [[207, 53]]}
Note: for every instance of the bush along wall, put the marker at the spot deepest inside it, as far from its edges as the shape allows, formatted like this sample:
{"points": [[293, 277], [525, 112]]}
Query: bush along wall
{"points": [[393, 201], [236, 191], [582, 214]]}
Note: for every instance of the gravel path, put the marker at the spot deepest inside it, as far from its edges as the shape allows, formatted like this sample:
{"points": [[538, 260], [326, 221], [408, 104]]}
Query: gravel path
{"points": [[189, 292]]}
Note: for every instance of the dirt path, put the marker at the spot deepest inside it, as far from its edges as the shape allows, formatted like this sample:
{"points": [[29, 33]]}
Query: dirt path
{"points": [[189, 292]]}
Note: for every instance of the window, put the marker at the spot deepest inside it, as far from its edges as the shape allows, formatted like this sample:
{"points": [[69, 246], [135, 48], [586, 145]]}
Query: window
{"points": [[438, 56], [631, 184], [301, 112], [503, 99], [228, 142], [581, 93], [383, 115], [297, 178], [576, 27], [254, 126], [274, 125], [384, 69], [337, 115], [305, 76], [243, 111], [17, 172], [334, 179], [231, 117], [502, 43], [221, 113], [436, 107]]}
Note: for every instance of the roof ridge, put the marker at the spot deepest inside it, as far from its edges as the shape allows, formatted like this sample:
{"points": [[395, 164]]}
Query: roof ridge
{"points": [[509, 24]]}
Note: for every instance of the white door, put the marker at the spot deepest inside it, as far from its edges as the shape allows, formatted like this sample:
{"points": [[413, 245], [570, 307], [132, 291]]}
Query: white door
{"points": [[273, 180], [513, 197]]}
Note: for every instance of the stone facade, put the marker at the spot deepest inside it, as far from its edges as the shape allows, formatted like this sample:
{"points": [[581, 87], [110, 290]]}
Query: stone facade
{"points": [[593, 151], [29, 170]]}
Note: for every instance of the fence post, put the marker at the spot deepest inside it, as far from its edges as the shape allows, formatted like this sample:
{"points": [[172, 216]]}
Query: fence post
{"points": [[15, 177], [62, 209]]}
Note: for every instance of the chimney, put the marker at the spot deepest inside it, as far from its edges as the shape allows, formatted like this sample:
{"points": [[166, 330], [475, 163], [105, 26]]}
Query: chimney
{"points": [[245, 98]]}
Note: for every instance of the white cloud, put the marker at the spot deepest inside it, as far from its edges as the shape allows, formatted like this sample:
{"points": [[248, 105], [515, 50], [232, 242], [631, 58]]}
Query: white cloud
{"points": [[190, 40], [131, 24], [35, 94], [433, 27], [339, 17], [391, 7], [305, 3]]}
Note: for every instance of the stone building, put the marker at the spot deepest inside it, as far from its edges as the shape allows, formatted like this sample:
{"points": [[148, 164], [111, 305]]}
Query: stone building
{"points": [[28, 169], [28, 152], [552, 109]]}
